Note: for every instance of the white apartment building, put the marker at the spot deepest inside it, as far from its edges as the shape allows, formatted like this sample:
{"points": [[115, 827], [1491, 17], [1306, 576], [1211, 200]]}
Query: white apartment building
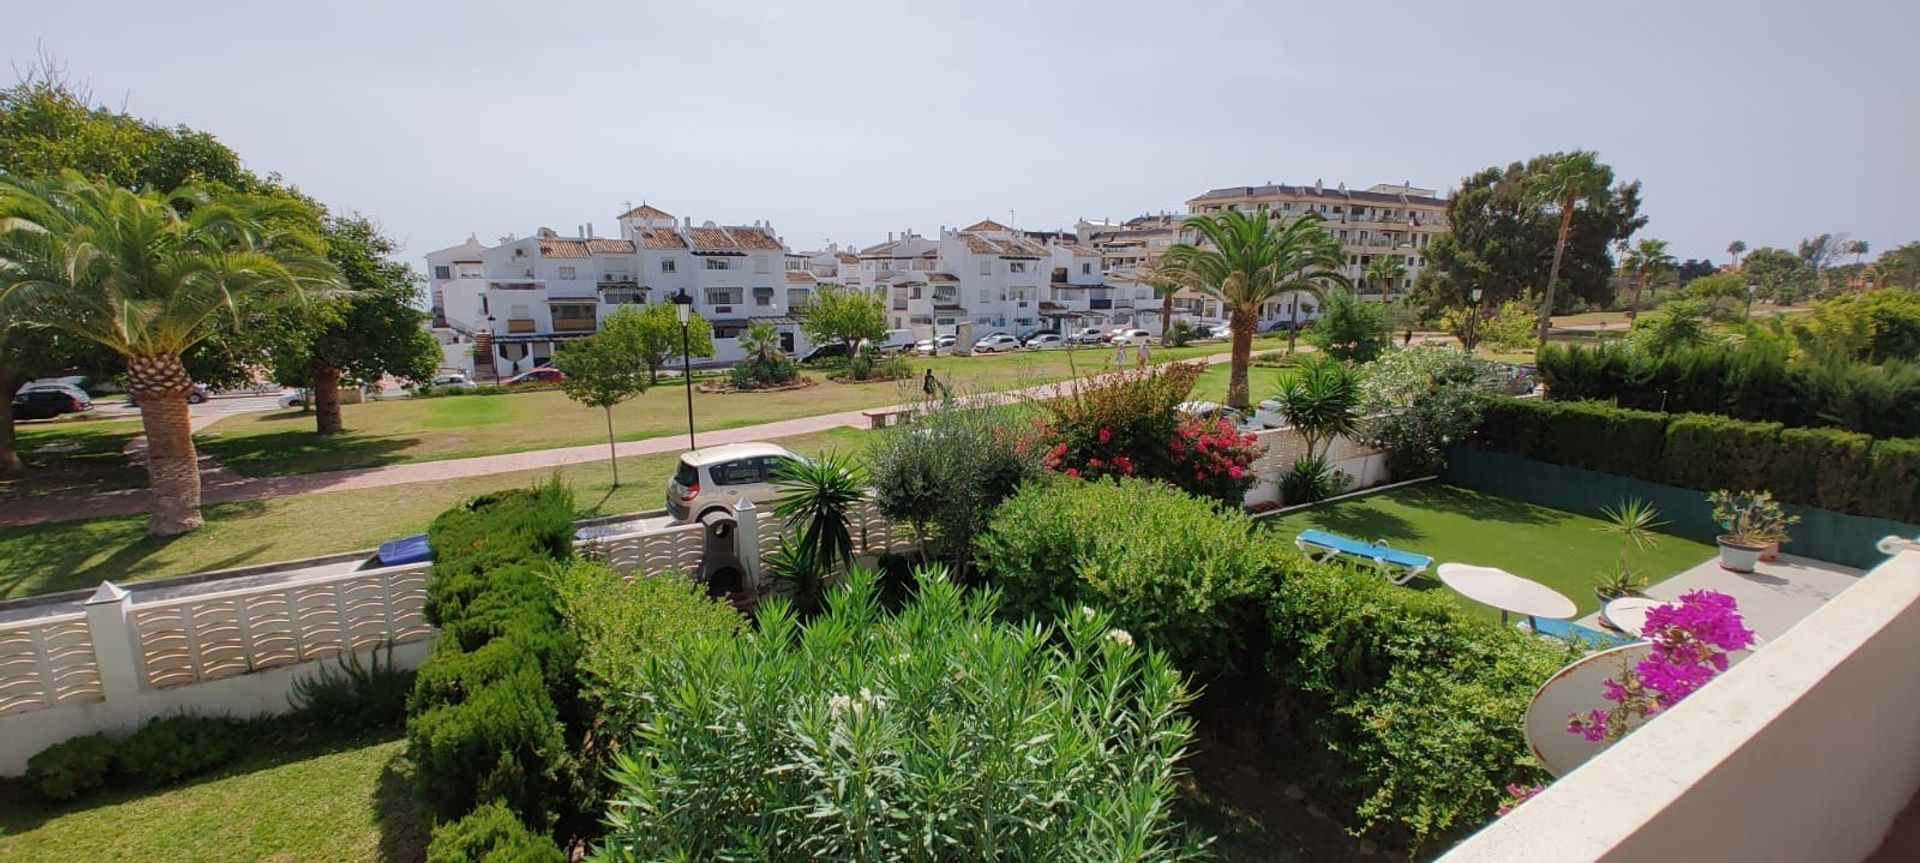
{"points": [[993, 277], [534, 293], [1386, 219], [459, 268]]}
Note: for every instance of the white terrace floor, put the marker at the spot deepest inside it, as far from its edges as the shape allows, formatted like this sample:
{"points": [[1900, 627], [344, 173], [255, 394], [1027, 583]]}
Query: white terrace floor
{"points": [[1772, 599]]}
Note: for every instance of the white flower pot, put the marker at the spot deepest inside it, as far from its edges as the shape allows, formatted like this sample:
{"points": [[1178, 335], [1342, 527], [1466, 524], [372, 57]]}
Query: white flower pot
{"points": [[1739, 557]]}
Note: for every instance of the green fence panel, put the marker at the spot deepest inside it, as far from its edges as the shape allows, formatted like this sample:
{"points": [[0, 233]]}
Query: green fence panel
{"points": [[1822, 534]]}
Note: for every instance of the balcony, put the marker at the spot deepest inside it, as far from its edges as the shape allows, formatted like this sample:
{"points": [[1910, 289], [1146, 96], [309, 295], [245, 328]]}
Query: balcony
{"points": [[519, 325], [611, 281], [574, 325], [1101, 303]]}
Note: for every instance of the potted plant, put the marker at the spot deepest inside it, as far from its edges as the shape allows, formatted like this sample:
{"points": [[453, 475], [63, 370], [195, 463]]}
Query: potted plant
{"points": [[1634, 522], [1753, 520]]}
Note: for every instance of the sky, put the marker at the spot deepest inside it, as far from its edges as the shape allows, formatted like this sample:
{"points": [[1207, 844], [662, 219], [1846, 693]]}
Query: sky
{"points": [[1758, 120]]}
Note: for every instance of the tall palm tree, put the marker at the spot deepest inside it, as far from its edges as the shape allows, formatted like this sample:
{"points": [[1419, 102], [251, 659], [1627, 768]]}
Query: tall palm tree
{"points": [[1648, 262], [134, 274], [1246, 260], [1572, 178], [1387, 271], [1859, 248], [1735, 249]]}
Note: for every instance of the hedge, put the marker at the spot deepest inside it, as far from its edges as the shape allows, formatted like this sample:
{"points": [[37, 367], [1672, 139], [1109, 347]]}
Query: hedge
{"points": [[496, 705], [1829, 469], [1756, 380]]}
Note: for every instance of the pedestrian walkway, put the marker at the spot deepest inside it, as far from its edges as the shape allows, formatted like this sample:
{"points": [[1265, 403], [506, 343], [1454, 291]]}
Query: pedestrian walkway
{"points": [[219, 485]]}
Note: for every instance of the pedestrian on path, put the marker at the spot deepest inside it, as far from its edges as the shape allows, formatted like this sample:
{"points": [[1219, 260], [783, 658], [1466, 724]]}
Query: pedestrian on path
{"points": [[1145, 355], [1120, 355], [1407, 339], [928, 386]]}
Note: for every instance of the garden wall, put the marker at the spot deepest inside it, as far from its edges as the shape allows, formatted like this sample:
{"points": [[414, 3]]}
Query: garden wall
{"points": [[1821, 534], [1365, 463]]}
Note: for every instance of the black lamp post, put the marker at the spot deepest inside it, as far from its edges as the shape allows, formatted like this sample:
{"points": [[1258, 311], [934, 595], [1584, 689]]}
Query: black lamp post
{"points": [[683, 309], [493, 348], [1473, 319], [1751, 287]]}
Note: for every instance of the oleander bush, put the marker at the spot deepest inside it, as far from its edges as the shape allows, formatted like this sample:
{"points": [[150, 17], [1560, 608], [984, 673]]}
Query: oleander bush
{"points": [[937, 733], [1419, 705], [1174, 570], [491, 834], [170, 748], [73, 768]]}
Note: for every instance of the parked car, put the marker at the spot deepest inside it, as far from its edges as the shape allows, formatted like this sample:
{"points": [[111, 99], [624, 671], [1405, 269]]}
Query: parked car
{"points": [[716, 478], [1283, 326], [197, 395], [1129, 336], [541, 375], [1213, 410], [894, 342], [831, 350], [46, 401], [930, 347], [996, 343], [296, 398], [1089, 336], [458, 382], [1045, 341]]}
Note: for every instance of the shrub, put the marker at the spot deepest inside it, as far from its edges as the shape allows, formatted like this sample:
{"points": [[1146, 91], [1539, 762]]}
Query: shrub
{"points": [[1181, 335], [353, 694], [1311, 479], [1422, 401], [494, 735], [935, 733], [1420, 704], [73, 768], [1171, 568], [1350, 328], [1820, 467], [945, 474], [1129, 424], [1212, 459], [1892, 488], [491, 834], [172, 748], [1712, 451]]}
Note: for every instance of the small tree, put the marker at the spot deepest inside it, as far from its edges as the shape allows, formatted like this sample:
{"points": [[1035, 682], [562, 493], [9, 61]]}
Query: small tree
{"points": [[656, 331], [603, 370], [1350, 328], [1322, 404], [848, 317]]}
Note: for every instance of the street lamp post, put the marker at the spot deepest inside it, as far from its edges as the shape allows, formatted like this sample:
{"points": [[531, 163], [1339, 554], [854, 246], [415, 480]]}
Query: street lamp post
{"points": [[1751, 287], [683, 309], [493, 348], [1473, 319]]}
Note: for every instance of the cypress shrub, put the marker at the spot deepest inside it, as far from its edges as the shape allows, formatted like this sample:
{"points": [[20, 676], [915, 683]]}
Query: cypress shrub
{"points": [[1708, 452], [1892, 488], [1820, 467]]}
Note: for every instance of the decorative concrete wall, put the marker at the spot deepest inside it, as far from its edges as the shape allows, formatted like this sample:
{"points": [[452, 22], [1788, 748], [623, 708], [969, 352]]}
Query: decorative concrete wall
{"points": [[1366, 464]]}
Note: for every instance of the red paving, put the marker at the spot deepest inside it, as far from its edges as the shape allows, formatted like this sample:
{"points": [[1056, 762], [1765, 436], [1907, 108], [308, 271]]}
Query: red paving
{"points": [[219, 485]]}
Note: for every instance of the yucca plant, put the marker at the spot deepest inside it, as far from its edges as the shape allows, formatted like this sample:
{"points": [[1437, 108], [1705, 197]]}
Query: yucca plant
{"points": [[815, 500], [1322, 404], [1635, 522]]}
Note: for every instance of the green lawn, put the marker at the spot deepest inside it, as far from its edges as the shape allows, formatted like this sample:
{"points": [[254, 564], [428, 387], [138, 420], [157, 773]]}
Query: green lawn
{"points": [[340, 802], [408, 430], [80, 554], [73, 455], [1560, 549]]}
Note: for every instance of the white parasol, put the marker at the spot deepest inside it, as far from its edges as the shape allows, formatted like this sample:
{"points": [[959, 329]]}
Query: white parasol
{"points": [[1505, 591]]}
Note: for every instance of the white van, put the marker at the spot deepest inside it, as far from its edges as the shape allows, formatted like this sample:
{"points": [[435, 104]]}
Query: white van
{"points": [[895, 342]]}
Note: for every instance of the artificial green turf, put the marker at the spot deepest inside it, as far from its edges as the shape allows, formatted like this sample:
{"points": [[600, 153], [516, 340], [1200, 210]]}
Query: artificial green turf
{"points": [[1562, 550]]}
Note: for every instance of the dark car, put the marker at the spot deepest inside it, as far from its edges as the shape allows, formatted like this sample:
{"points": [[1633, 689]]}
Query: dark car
{"points": [[541, 375], [832, 350], [47, 402]]}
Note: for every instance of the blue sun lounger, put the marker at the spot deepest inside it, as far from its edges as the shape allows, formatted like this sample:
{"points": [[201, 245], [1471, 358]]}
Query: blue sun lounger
{"points": [[1567, 630], [1399, 566]]}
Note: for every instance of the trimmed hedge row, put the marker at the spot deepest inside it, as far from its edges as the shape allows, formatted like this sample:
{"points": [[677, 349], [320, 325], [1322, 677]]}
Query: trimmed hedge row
{"points": [[1830, 469], [1756, 381], [489, 716], [165, 750]]}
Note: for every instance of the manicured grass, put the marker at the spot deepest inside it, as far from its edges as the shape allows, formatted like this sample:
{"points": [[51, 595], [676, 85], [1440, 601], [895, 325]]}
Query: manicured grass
{"points": [[1560, 549], [73, 455], [342, 802], [80, 554], [412, 430]]}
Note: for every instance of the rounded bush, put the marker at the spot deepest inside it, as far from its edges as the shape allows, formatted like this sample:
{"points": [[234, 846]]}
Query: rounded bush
{"points": [[172, 748], [71, 769], [491, 834]]}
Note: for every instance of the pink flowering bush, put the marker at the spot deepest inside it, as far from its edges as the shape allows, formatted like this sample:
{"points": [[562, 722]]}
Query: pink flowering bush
{"points": [[1518, 794], [1212, 459], [1128, 424], [1691, 642]]}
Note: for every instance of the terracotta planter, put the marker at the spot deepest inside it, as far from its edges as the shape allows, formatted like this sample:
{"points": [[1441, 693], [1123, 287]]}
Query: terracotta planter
{"points": [[1737, 556], [1772, 553]]}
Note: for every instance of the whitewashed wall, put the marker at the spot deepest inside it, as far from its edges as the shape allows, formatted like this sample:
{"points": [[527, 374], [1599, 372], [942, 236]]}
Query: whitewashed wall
{"points": [[1361, 461]]}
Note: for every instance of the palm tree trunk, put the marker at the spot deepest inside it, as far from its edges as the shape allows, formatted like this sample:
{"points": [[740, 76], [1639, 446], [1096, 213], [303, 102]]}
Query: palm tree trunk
{"points": [[1166, 319], [1553, 275], [160, 383], [1633, 301], [1242, 324], [9, 454], [326, 399]]}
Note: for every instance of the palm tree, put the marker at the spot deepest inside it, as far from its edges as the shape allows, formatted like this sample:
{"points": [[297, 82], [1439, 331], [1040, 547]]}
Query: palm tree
{"points": [[149, 277], [1570, 179], [1165, 282], [1859, 248], [1387, 270], [1246, 260], [1735, 249], [1648, 261]]}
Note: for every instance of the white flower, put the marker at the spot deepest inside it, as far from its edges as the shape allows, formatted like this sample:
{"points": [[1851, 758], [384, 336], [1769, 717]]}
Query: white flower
{"points": [[1086, 612], [902, 658], [1121, 637], [839, 704]]}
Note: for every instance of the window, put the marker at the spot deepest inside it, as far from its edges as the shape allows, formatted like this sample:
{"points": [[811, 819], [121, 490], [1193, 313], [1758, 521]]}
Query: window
{"points": [[985, 295], [760, 264], [443, 273], [741, 472], [986, 268], [1017, 267], [466, 271], [573, 313], [567, 272], [763, 296], [724, 296], [668, 265], [1086, 269], [719, 264]]}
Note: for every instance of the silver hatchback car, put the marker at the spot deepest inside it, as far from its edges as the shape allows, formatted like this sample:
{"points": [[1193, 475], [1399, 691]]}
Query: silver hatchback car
{"points": [[716, 478]]}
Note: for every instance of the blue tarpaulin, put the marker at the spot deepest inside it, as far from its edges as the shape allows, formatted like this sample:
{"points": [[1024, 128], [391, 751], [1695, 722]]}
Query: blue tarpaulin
{"points": [[409, 549]]}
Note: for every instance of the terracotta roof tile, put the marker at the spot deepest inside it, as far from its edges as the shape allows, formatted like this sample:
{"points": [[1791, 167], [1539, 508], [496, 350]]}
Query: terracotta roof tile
{"points": [[757, 239], [1003, 248], [1084, 251], [942, 277], [712, 239], [646, 212], [848, 258], [662, 238], [986, 225], [610, 247], [800, 278], [563, 249]]}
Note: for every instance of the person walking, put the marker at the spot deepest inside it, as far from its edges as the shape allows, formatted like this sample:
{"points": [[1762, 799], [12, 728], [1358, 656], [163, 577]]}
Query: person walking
{"points": [[928, 386], [1119, 355], [1145, 355], [1407, 339]]}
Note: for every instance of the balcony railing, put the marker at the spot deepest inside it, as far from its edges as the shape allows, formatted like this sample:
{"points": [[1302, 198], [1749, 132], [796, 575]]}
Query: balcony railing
{"points": [[619, 282], [519, 325], [573, 325]]}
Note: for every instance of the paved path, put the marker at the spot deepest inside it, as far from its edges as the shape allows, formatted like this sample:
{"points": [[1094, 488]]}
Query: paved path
{"points": [[219, 485]]}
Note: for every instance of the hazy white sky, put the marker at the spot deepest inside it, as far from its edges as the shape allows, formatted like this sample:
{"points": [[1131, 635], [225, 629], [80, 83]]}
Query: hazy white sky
{"points": [[1752, 119]]}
